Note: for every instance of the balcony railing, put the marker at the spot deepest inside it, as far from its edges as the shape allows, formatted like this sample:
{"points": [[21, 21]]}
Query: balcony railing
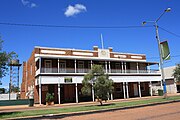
{"points": [[82, 70], [49, 70], [116, 71], [86, 70], [141, 71]]}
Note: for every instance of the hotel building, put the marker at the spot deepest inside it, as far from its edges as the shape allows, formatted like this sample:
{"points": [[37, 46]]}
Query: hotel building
{"points": [[60, 71]]}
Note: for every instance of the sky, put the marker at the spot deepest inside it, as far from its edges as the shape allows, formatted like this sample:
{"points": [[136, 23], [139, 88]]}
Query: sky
{"points": [[97, 13]]}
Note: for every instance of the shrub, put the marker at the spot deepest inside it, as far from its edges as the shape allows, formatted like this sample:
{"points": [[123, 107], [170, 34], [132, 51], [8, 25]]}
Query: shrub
{"points": [[49, 97]]}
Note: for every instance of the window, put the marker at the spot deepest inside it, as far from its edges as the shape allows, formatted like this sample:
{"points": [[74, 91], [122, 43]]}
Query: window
{"points": [[118, 67], [80, 66], [62, 67], [118, 88], [48, 66]]}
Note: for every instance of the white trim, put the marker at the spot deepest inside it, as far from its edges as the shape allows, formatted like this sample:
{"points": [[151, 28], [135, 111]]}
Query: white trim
{"points": [[62, 49], [81, 53], [59, 93], [119, 53], [76, 92], [111, 96], [87, 58], [108, 73], [40, 97], [120, 56], [127, 90], [53, 52], [139, 86], [93, 97], [151, 90], [39, 47], [75, 66], [36, 59], [124, 90], [138, 57]]}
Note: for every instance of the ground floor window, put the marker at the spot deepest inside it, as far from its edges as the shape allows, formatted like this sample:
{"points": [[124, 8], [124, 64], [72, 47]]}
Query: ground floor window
{"points": [[118, 88]]}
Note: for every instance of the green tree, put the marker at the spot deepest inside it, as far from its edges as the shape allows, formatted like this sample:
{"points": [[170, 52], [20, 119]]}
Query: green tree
{"points": [[5, 57], [97, 79], [176, 73]]}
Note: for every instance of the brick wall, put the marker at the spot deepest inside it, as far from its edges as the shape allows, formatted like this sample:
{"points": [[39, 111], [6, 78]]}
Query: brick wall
{"points": [[29, 77]]}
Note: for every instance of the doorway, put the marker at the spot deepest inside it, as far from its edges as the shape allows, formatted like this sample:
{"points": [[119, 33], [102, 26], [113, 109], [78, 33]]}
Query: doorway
{"points": [[135, 86]]}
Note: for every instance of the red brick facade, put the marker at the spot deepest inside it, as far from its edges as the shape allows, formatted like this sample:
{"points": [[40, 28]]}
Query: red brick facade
{"points": [[29, 72]]}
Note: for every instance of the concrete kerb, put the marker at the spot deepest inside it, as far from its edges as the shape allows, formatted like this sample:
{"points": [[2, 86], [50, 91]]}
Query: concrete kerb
{"points": [[9, 109], [81, 103], [63, 115]]}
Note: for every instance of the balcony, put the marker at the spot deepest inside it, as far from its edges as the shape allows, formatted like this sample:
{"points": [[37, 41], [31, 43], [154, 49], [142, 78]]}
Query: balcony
{"points": [[64, 70], [86, 70], [142, 71]]}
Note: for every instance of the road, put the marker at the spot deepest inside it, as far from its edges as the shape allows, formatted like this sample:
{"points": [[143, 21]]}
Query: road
{"points": [[159, 112]]}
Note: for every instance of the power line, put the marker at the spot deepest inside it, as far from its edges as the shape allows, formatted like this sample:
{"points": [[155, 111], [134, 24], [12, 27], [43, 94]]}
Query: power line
{"points": [[70, 26], [169, 32]]}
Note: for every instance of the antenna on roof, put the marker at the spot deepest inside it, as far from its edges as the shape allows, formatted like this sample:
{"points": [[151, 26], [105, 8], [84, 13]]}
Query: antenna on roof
{"points": [[102, 41]]}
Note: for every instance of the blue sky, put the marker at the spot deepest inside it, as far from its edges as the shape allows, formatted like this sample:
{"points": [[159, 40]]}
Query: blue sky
{"points": [[22, 39]]}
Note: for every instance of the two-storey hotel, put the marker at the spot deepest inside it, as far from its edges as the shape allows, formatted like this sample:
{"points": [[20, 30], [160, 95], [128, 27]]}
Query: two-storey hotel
{"points": [[60, 71]]}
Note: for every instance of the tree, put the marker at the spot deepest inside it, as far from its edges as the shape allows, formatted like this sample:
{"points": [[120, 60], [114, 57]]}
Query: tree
{"points": [[176, 73], [5, 57], [99, 81]]}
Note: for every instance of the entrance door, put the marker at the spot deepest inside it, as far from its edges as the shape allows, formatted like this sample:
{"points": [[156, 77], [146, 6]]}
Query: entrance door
{"points": [[69, 93], [135, 89], [62, 67]]}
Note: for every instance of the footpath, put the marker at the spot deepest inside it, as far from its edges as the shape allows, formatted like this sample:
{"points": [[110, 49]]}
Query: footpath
{"points": [[17, 108]]}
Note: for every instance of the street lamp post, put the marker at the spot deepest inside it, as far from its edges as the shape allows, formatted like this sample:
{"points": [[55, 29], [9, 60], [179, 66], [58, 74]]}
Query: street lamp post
{"points": [[159, 47]]}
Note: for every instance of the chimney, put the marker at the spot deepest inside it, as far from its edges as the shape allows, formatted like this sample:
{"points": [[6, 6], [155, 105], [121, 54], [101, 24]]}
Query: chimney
{"points": [[110, 49], [95, 48]]}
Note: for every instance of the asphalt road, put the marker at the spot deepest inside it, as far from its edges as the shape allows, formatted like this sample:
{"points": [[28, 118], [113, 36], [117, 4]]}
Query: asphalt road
{"points": [[169, 111]]}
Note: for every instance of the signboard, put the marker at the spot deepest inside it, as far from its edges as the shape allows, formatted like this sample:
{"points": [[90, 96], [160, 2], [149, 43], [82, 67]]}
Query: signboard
{"points": [[103, 53], [165, 50]]}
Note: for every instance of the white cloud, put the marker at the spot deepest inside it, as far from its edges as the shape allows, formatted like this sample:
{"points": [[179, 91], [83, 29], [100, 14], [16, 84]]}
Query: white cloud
{"points": [[33, 5], [28, 3], [24, 2], [73, 10]]}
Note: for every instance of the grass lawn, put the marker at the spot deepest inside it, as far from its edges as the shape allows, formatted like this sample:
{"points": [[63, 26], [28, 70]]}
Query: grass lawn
{"points": [[85, 108]]}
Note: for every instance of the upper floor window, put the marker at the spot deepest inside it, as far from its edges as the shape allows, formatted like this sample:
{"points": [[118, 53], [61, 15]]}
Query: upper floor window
{"points": [[80, 66], [118, 67], [62, 67], [48, 66]]}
